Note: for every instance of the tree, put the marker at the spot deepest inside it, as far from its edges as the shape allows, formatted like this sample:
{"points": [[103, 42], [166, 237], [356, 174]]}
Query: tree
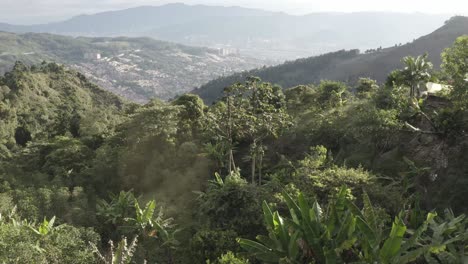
{"points": [[366, 86], [263, 115], [220, 126], [454, 59], [455, 65], [417, 71], [266, 117], [331, 93], [230, 204], [250, 112], [191, 114]]}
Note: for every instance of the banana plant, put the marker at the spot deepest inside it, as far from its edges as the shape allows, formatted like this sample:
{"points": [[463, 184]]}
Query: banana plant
{"points": [[118, 208], [345, 233], [309, 235], [145, 217], [447, 239], [280, 244], [437, 241], [327, 235], [45, 227], [151, 224]]}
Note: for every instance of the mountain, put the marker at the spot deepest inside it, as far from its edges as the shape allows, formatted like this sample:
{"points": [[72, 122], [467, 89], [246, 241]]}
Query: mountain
{"points": [[255, 32], [344, 65], [48, 99], [136, 68], [138, 19]]}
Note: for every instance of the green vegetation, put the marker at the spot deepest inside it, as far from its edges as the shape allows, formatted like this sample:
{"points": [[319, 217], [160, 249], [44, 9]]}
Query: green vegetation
{"points": [[323, 173]]}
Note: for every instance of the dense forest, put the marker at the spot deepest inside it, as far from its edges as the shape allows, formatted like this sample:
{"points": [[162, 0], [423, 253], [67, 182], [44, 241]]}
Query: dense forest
{"points": [[324, 173]]}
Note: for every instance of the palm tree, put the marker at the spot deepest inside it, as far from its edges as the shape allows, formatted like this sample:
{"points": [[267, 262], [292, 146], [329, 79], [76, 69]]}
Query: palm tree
{"points": [[416, 71]]}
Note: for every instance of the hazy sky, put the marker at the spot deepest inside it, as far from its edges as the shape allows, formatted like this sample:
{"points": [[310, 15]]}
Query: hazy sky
{"points": [[39, 11]]}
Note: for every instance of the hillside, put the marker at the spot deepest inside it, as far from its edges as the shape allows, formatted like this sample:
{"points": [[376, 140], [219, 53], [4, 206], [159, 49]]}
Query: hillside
{"points": [[314, 174], [256, 32], [346, 66], [136, 68], [50, 100]]}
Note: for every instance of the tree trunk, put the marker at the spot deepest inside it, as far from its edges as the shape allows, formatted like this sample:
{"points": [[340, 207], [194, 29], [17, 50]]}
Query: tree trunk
{"points": [[231, 159], [260, 162], [253, 168], [170, 259], [229, 163]]}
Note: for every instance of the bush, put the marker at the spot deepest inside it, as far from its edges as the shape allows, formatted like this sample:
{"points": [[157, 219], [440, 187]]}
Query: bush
{"points": [[210, 244], [19, 243], [231, 258], [232, 204], [315, 179]]}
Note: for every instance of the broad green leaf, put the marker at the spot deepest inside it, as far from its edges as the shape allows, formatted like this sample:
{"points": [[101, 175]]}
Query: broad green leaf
{"points": [[393, 244], [268, 215]]}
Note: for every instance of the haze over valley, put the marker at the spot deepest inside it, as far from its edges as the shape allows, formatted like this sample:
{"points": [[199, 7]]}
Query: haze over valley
{"points": [[259, 33]]}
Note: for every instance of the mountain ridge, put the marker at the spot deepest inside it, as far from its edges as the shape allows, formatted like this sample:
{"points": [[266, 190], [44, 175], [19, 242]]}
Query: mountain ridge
{"points": [[256, 32], [347, 66]]}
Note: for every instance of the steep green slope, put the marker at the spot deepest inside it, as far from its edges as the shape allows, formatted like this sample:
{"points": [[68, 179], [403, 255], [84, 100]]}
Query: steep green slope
{"points": [[346, 66], [49, 100], [136, 68]]}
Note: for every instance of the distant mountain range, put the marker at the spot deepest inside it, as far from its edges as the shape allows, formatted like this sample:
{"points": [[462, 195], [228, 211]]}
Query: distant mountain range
{"points": [[344, 65], [261, 33], [136, 68]]}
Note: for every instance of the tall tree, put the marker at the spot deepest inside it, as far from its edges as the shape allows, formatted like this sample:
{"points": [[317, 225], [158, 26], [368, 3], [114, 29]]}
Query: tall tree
{"points": [[455, 64], [416, 72], [249, 112], [258, 109]]}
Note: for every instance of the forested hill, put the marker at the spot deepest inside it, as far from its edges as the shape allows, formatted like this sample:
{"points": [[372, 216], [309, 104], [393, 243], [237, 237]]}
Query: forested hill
{"points": [[136, 68], [322, 173], [49, 100], [343, 65]]}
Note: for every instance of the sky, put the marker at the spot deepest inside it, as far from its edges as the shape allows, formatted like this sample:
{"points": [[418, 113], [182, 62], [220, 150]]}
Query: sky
{"points": [[43, 11]]}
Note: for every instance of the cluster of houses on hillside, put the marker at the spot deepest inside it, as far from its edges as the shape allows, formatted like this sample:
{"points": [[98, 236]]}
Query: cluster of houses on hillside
{"points": [[92, 56]]}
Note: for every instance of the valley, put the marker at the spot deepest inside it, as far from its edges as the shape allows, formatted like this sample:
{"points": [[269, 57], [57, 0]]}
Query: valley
{"points": [[136, 68], [346, 65], [258, 33]]}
